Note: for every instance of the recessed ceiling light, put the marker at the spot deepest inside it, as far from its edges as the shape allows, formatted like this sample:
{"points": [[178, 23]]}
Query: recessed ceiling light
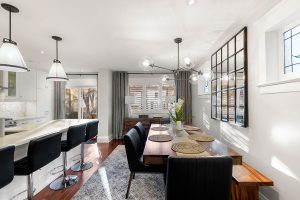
{"points": [[191, 2], [42, 52]]}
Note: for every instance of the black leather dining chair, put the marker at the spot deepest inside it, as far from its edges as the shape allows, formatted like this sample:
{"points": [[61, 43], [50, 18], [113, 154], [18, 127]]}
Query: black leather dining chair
{"points": [[134, 158], [199, 178], [75, 136], [142, 133], [91, 132], [40, 152], [6, 165]]}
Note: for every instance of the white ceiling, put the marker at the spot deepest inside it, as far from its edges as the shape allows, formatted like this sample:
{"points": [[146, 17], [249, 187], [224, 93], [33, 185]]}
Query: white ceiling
{"points": [[116, 34]]}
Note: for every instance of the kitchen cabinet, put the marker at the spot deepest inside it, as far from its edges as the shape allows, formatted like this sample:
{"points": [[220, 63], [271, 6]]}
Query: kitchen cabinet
{"points": [[26, 86]]}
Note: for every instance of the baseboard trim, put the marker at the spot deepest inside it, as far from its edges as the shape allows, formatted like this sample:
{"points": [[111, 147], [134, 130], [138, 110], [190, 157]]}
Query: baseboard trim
{"points": [[104, 139]]}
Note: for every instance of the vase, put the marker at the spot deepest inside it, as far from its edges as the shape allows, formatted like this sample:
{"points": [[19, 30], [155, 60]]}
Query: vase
{"points": [[178, 125]]}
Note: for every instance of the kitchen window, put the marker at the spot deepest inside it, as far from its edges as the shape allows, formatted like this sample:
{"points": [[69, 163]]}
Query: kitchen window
{"points": [[292, 50]]}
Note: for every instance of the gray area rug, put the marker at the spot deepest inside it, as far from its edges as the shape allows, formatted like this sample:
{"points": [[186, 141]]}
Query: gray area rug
{"points": [[111, 179]]}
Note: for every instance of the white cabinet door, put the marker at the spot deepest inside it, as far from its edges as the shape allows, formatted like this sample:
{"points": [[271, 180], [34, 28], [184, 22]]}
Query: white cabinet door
{"points": [[26, 86]]}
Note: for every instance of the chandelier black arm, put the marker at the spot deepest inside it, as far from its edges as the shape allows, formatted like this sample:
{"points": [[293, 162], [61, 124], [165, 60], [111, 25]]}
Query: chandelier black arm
{"points": [[152, 65]]}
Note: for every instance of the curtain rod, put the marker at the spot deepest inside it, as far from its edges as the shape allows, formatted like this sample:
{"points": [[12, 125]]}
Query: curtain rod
{"points": [[149, 73], [91, 74]]}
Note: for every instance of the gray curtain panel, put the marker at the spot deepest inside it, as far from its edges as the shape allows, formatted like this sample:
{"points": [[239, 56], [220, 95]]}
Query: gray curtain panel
{"points": [[120, 89], [184, 90], [59, 99]]}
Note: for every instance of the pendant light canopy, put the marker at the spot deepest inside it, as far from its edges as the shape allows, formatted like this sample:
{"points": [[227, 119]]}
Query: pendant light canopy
{"points": [[10, 57], [57, 72]]}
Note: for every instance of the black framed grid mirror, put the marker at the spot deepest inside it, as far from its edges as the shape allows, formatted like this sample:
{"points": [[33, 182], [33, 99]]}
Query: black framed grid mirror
{"points": [[229, 82]]}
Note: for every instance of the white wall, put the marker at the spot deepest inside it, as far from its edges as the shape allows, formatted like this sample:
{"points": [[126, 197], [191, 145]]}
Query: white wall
{"points": [[105, 105], [271, 143]]}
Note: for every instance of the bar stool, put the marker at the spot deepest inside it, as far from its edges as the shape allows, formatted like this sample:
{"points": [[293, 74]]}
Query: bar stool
{"points": [[7, 165], [75, 136], [91, 132], [40, 152]]}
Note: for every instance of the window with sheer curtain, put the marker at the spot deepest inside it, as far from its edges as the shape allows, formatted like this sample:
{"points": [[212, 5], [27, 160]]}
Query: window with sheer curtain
{"points": [[151, 97]]}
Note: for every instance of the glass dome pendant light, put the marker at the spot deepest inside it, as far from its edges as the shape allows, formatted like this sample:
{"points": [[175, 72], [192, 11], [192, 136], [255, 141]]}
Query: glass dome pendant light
{"points": [[57, 72], [10, 57]]}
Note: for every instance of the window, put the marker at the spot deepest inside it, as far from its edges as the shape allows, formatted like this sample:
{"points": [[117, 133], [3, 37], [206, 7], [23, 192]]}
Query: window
{"points": [[292, 50], [151, 97]]}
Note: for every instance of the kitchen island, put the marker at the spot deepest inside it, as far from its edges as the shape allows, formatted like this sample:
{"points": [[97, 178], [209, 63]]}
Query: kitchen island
{"points": [[20, 136]]}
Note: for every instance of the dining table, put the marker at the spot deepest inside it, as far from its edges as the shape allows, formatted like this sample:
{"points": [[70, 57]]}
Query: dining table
{"points": [[158, 152]]}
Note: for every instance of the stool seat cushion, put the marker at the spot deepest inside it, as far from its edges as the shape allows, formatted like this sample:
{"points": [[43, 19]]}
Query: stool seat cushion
{"points": [[6, 165], [64, 146]]}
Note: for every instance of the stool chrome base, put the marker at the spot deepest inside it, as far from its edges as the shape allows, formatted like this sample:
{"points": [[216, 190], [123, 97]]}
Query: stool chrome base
{"points": [[62, 183], [82, 166]]}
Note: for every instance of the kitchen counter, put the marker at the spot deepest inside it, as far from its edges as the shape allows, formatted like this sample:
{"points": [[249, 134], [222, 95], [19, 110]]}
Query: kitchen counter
{"points": [[36, 130]]}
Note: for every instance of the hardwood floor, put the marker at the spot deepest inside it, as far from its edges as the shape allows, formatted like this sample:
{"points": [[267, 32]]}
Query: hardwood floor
{"points": [[96, 153]]}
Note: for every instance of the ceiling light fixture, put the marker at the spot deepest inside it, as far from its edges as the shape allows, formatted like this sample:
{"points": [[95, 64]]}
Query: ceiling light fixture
{"points": [[10, 57], [147, 64], [191, 2], [57, 72]]}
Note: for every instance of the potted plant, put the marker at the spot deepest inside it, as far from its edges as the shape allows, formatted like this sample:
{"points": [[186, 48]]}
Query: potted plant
{"points": [[177, 113]]}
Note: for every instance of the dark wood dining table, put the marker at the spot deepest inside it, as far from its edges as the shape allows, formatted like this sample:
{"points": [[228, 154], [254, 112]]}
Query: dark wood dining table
{"points": [[158, 152]]}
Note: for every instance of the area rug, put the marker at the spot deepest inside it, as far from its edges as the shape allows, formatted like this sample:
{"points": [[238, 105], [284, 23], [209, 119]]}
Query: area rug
{"points": [[110, 181]]}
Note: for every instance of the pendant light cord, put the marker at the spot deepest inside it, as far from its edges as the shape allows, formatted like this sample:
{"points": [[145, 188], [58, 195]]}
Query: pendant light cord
{"points": [[9, 24], [178, 56], [56, 50]]}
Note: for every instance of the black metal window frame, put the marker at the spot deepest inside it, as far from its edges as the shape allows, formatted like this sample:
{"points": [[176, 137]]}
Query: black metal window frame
{"points": [[284, 40], [222, 89]]}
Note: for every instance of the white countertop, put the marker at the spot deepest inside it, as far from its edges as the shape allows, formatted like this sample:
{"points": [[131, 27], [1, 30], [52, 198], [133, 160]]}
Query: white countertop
{"points": [[33, 131]]}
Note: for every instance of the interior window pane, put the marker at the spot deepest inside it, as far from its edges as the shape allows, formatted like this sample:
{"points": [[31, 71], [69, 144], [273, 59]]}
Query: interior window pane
{"points": [[219, 57], [231, 80], [288, 70], [287, 34], [296, 30], [224, 52], [240, 78], [214, 112], [296, 49], [231, 115], [213, 61], [214, 73], [287, 52], [224, 113], [240, 41], [224, 68], [219, 99], [214, 99], [240, 102], [219, 71], [296, 68], [231, 96], [224, 82], [231, 47], [218, 84], [240, 60], [214, 86], [218, 112], [231, 64]]}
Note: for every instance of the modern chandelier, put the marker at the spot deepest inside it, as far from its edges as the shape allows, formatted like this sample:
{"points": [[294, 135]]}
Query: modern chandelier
{"points": [[57, 72], [10, 57], [147, 64]]}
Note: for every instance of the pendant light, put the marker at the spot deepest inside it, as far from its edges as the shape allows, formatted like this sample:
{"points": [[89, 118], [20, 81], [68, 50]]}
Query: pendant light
{"points": [[10, 56], [57, 72]]}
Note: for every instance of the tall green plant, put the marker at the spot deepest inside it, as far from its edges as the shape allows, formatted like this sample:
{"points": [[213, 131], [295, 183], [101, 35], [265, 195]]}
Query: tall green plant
{"points": [[179, 113]]}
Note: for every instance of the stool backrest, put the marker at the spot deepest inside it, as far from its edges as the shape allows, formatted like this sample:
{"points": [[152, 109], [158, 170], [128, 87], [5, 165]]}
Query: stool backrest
{"points": [[199, 178], [91, 130], [43, 150], [6, 165], [76, 135]]}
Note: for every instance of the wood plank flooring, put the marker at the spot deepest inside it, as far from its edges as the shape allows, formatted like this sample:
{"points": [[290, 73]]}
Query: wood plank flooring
{"points": [[96, 153]]}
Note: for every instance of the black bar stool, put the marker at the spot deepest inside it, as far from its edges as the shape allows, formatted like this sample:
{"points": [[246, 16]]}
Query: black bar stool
{"points": [[40, 152], [91, 132], [75, 136], [7, 165]]}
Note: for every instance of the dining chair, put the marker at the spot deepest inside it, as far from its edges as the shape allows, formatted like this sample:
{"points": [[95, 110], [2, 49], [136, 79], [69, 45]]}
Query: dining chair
{"points": [[199, 178], [142, 133], [134, 158]]}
